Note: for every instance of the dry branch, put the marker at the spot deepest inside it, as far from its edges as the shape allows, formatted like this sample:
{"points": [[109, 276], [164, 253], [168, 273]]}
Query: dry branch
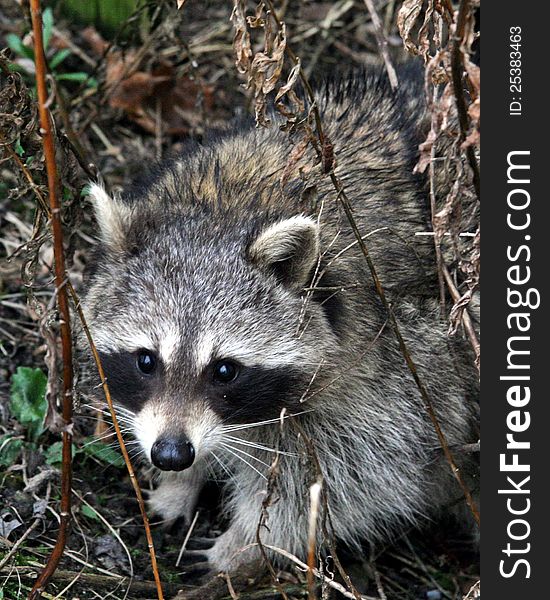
{"points": [[328, 168], [53, 212], [382, 43], [62, 301], [122, 445], [457, 70]]}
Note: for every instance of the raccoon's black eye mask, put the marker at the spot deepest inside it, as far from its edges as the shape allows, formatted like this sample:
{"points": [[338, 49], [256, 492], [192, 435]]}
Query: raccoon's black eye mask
{"points": [[133, 377]]}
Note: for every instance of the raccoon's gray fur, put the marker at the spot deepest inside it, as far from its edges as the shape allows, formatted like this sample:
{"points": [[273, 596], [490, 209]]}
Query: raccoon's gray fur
{"points": [[238, 251]]}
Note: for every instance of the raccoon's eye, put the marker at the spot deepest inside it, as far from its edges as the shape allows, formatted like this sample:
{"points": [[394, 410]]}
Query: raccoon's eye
{"points": [[225, 371], [146, 362]]}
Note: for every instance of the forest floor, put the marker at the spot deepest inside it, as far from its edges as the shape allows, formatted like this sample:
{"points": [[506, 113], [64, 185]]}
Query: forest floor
{"points": [[121, 103]]}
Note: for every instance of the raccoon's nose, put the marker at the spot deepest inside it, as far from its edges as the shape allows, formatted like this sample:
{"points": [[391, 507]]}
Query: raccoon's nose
{"points": [[172, 454]]}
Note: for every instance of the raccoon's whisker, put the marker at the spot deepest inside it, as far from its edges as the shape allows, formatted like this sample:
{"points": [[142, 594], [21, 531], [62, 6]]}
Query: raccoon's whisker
{"points": [[226, 428], [135, 454], [101, 438], [237, 440], [115, 444], [120, 411], [241, 451], [246, 462], [222, 465], [123, 423]]}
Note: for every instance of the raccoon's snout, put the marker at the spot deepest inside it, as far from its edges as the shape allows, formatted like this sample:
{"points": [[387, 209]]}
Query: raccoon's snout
{"points": [[171, 454]]}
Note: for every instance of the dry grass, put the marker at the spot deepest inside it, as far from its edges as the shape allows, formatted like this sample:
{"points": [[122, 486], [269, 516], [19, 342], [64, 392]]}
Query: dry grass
{"points": [[156, 87]]}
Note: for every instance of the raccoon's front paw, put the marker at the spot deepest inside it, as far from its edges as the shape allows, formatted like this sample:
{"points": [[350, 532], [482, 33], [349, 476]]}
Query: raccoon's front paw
{"points": [[175, 497], [230, 552], [162, 503]]}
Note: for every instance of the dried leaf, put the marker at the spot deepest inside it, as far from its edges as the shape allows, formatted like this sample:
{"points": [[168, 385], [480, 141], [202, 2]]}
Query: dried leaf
{"points": [[426, 152], [258, 20], [241, 39], [290, 82], [406, 21], [143, 94], [265, 71], [294, 158], [423, 41]]}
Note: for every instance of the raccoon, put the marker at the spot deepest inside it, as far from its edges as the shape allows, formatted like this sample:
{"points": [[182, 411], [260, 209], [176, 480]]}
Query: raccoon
{"points": [[236, 319]]}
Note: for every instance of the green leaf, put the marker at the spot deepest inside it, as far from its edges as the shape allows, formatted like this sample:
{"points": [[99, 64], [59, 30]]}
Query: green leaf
{"points": [[89, 512], [19, 150], [16, 44], [47, 24], [80, 77], [10, 448], [52, 454], [28, 399], [59, 57], [103, 453]]}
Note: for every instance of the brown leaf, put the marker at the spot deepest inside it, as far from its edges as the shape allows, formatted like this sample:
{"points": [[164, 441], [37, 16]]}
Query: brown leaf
{"points": [[425, 152], [258, 20], [406, 21], [142, 95], [290, 82], [241, 39]]}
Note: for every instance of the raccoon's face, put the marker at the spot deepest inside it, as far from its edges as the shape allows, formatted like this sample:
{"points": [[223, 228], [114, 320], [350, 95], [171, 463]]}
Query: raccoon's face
{"points": [[203, 324]]}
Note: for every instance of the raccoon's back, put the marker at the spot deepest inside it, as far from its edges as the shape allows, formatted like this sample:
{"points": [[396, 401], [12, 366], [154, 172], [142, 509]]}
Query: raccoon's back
{"points": [[249, 178]]}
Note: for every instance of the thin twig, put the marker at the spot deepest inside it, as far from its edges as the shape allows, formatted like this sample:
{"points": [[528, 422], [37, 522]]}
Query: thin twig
{"points": [[346, 205], [315, 492], [98, 581], [466, 319], [457, 70], [382, 43], [120, 439], [186, 539], [18, 543], [106, 391], [331, 583], [62, 301], [273, 474], [437, 240]]}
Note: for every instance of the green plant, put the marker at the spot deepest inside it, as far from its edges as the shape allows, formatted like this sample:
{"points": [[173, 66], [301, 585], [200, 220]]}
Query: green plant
{"points": [[28, 400], [107, 16], [25, 54], [28, 406]]}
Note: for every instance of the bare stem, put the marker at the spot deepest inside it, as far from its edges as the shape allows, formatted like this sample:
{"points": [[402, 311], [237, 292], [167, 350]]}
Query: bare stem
{"points": [[457, 70], [382, 43], [121, 443], [53, 211], [346, 205], [62, 302]]}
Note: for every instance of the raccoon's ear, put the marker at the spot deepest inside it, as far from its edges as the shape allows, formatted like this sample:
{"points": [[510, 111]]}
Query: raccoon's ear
{"points": [[112, 216], [288, 249]]}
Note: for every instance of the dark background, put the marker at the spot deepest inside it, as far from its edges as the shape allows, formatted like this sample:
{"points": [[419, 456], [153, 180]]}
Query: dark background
{"points": [[504, 133]]}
